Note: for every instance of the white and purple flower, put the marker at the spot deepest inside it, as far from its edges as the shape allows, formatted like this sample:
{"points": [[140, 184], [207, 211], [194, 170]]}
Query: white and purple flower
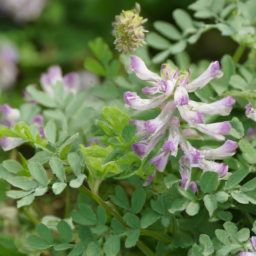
{"points": [[54, 75], [250, 112], [171, 91], [8, 65], [23, 10]]}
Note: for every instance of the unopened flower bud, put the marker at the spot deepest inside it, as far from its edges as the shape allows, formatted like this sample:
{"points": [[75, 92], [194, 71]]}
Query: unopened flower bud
{"points": [[128, 30]]}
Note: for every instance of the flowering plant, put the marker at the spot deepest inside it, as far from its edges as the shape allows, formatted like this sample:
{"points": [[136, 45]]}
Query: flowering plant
{"points": [[166, 170]]}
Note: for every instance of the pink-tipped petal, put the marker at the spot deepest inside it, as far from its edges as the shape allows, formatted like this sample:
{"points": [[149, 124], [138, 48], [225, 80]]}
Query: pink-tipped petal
{"points": [[213, 71], [220, 168], [181, 96], [12, 115], [154, 125], [194, 188], [71, 83], [140, 69], [141, 127], [160, 161], [222, 152], [216, 129], [38, 120], [250, 112], [222, 107]]}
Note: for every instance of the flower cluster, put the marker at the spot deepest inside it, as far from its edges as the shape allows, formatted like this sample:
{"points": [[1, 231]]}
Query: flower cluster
{"points": [[170, 90], [8, 68], [128, 30], [11, 117], [70, 82], [23, 10]]}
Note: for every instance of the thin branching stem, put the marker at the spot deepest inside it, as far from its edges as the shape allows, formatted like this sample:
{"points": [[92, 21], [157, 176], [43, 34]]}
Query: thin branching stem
{"points": [[111, 211]]}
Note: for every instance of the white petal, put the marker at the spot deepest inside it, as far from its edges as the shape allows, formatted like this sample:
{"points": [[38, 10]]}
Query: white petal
{"points": [[213, 71]]}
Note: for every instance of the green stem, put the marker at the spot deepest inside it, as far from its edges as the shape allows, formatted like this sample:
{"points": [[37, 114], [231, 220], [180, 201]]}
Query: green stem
{"points": [[144, 249], [67, 207], [30, 216], [98, 200], [238, 53], [111, 211], [157, 236]]}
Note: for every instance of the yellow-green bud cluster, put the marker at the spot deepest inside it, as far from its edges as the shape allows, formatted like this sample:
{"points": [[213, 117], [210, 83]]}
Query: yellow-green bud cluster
{"points": [[128, 30]]}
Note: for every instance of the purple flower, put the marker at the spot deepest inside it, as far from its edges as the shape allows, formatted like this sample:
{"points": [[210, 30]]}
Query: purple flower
{"points": [[216, 129], [150, 90], [193, 186], [54, 74], [11, 115], [71, 83], [251, 133], [185, 172], [222, 152], [134, 101], [8, 143], [211, 166], [146, 145], [38, 120], [169, 147], [190, 134], [250, 112], [181, 96], [161, 160], [140, 69], [181, 99], [141, 127], [149, 180], [154, 125], [23, 10], [213, 71], [140, 148], [41, 132], [221, 107]]}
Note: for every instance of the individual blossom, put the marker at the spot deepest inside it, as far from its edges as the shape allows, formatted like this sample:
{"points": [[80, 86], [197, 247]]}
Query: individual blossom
{"points": [[250, 133], [170, 90], [11, 115], [8, 65], [128, 30], [250, 112], [221, 107], [49, 80], [23, 10], [149, 179], [39, 121], [170, 147], [185, 172]]}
